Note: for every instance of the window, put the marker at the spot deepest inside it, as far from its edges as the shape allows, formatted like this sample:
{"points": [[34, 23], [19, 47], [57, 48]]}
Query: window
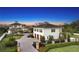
{"points": [[37, 30], [52, 30], [40, 30], [34, 29]]}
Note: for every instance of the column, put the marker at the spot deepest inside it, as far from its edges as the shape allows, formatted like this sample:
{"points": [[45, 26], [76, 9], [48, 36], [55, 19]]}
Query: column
{"points": [[66, 40], [53, 42], [18, 47], [39, 38], [46, 38], [36, 36], [37, 45]]}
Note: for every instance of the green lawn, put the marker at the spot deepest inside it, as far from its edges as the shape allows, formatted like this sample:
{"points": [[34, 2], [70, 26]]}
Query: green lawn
{"points": [[9, 49], [17, 37], [73, 48]]}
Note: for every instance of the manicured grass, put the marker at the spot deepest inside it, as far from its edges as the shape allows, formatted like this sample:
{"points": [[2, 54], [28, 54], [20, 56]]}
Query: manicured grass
{"points": [[17, 37], [57, 45], [9, 49], [73, 48]]}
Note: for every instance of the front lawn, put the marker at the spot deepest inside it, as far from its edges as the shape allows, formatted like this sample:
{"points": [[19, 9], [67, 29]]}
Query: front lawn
{"points": [[49, 47], [9, 49], [73, 48]]}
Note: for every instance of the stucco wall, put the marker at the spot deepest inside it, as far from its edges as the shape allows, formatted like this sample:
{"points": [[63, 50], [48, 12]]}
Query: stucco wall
{"points": [[47, 31]]}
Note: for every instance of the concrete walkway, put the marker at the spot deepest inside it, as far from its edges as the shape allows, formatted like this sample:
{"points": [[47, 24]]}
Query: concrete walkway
{"points": [[25, 44]]}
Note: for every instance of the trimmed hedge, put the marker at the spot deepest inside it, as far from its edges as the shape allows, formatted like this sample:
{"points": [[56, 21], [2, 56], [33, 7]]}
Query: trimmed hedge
{"points": [[57, 45]]}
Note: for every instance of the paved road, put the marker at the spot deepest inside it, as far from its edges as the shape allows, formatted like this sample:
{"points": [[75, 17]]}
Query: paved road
{"points": [[26, 44]]}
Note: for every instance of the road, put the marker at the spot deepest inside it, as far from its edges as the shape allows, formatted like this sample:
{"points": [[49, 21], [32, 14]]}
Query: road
{"points": [[25, 44]]}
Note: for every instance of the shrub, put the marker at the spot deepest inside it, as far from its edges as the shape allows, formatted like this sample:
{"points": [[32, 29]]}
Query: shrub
{"points": [[10, 42], [50, 39], [42, 39], [58, 45], [62, 36], [40, 44], [31, 35]]}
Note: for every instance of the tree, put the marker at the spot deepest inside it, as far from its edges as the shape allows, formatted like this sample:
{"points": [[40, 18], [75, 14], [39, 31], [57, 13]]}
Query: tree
{"points": [[42, 39], [30, 30], [75, 25], [3, 29], [68, 28], [62, 36], [65, 35], [50, 39], [68, 38]]}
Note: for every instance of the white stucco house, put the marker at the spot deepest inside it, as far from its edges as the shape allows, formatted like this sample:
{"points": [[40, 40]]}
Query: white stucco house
{"points": [[47, 30], [14, 27]]}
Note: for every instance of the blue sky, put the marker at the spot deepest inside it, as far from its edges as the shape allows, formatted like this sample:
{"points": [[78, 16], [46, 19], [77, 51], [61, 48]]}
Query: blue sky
{"points": [[39, 14]]}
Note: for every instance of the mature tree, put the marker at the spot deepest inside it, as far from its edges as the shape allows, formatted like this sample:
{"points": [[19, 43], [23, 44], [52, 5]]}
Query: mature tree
{"points": [[3, 29], [68, 28], [75, 25]]}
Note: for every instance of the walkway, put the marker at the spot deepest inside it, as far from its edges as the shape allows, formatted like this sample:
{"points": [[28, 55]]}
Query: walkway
{"points": [[25, 44]]}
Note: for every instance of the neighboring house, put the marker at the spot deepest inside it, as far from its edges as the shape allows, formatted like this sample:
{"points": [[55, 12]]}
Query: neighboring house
{"points": [[45, 30], [15, 27]]}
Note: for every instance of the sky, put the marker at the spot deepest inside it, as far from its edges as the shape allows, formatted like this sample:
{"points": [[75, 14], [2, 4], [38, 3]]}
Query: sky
{"points": [[39, 14]]}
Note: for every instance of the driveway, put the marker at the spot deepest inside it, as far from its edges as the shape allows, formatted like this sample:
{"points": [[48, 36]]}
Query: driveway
{"points": [[25, 44]]}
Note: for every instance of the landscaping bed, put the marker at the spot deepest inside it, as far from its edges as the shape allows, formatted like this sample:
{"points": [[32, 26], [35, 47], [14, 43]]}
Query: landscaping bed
{"points": [[9, 44], [57, 45]]}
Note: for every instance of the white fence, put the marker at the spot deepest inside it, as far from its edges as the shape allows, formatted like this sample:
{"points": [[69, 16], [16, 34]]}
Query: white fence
{"points": [[76, 33], [74, 39], [2, 36]]}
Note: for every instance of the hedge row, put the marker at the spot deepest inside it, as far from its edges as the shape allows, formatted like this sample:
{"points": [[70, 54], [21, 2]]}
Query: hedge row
{"points": [[57, 45]]}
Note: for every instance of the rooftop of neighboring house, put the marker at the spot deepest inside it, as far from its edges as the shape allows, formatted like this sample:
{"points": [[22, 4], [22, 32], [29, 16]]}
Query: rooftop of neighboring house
{"points": [[15, 23], [46, 25], [18, 24]]}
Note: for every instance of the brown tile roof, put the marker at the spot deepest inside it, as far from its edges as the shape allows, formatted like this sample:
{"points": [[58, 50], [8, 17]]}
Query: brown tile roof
{"points": [[47, 25], [16, 24]]}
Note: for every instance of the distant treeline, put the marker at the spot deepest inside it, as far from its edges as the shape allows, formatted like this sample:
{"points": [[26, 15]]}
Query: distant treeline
{"points": [[3, 29], [72, 27]]}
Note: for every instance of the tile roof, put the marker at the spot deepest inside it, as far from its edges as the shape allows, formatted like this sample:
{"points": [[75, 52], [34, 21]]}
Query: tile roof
{"points": [[47, 25]]}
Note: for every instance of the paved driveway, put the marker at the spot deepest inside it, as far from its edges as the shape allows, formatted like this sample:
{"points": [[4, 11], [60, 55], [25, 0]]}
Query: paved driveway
{"points": [[25, 44]]}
